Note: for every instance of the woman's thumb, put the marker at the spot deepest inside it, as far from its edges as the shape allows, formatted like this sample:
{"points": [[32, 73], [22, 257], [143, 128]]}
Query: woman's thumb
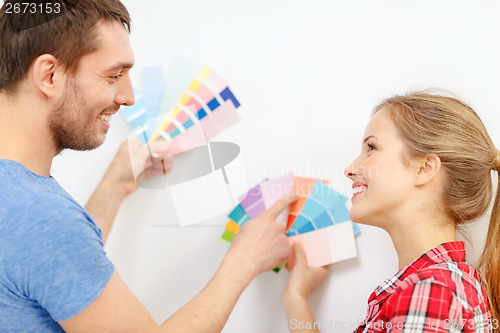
{"points": [[298, 252]]}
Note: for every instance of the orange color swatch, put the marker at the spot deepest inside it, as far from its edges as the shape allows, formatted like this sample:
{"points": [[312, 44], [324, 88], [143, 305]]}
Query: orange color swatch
{"points": [[302, 187]]}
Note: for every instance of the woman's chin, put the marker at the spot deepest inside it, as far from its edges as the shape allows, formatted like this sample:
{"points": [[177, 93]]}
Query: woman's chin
{"points": [[355, 216], [358, 217]]}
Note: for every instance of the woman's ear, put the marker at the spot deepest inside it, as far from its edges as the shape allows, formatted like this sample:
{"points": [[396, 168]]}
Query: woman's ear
{"points": [[427, 169], [47, 75]]}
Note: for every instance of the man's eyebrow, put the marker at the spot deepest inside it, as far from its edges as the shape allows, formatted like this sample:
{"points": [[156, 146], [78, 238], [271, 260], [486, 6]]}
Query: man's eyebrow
{"points": [[120, 66]]}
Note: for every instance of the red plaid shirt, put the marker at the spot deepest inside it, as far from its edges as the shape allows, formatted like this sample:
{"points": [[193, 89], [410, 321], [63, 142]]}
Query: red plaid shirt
{"points": [[438, 292]]}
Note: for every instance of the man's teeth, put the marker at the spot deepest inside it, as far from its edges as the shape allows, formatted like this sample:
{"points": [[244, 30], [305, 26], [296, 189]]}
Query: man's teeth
{"points": [[359, 189], [105, 117]]}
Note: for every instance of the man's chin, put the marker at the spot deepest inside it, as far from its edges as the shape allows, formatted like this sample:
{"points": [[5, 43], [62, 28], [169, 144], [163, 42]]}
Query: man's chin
{"points": [[96, 144], [83, 145]]}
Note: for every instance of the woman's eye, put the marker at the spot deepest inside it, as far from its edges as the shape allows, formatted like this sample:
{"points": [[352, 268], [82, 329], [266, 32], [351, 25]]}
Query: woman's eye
{"points": [[370, 147]]}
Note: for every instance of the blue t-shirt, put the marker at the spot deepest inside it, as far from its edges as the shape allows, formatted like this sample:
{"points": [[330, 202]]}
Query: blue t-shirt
{"points": [[52, 261]]}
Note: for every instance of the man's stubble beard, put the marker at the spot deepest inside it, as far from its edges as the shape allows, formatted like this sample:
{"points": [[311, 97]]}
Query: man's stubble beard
{"points": [[70, 124]]}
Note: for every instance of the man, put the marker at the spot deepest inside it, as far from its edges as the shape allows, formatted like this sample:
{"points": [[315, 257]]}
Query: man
{"points": [[61, 79]]}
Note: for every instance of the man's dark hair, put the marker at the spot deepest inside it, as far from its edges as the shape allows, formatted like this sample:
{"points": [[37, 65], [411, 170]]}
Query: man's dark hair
{"points": [[68, 34]]}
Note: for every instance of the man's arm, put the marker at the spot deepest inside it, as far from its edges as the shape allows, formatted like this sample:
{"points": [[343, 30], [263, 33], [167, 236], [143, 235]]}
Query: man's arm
{"points": [[118, 181], [105, 201], [260, 246]]}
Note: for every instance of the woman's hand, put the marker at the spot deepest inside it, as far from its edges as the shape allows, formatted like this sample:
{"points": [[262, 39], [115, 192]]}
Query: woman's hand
{"points": [[303, 279], [302, 282]]}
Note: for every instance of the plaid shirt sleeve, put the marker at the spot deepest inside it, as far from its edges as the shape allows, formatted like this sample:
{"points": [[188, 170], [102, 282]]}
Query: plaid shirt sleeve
{"points": [[427, 306]]}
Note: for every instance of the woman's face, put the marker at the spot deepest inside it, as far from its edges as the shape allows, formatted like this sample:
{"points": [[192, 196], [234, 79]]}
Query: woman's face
{"points": [[381, 182]]}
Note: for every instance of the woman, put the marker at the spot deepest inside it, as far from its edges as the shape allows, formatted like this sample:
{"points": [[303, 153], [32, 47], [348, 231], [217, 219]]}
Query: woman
{"points": [[424, 169]]}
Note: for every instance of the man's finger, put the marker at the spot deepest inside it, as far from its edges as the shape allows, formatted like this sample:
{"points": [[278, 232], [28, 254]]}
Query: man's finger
{"points": [[159, 148], [162, 164], [280, 205], [169, 159]]}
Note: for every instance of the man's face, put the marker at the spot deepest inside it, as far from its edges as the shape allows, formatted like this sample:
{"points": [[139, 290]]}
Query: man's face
{"points": [[100, 86]]}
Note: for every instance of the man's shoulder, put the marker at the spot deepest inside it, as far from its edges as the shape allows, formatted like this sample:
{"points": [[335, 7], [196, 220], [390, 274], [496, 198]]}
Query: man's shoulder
{"points": [[23, 192], [18, 185], [32, 207], [25, 205]]}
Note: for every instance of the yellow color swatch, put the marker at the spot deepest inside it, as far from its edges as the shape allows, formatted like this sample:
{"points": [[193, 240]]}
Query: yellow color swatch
{"points": [[232, 226], [194, 86], [204, 73], [184, 99], [174, 112]]}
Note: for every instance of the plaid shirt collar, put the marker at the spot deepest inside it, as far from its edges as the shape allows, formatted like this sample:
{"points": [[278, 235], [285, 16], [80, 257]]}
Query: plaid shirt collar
{"points": [[446, 252]]}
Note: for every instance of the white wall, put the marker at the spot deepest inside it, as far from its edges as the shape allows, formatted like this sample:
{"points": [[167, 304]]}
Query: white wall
{"points": [[308, 73]]}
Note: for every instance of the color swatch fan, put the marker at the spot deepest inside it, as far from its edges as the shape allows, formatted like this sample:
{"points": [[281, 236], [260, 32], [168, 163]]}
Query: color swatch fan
{"points": [[206, 108], [212, 174], [318, 206], [257, 200], [319, 219]]}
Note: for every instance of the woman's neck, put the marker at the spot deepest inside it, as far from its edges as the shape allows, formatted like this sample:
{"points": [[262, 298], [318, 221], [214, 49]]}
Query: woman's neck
{"points": [[415, 236]]}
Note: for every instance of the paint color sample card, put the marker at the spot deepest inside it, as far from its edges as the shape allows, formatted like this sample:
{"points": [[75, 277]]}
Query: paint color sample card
{"points": [[208, 101], [322, 208], [256, 201], [319, 218], [302, 187], [207, 181], [206, 108], [274, 189], [136, 115], [154, 88], [328, 245]]}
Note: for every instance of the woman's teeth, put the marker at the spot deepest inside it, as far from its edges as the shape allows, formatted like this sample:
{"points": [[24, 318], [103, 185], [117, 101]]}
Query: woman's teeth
{"points": [[359, 189]]}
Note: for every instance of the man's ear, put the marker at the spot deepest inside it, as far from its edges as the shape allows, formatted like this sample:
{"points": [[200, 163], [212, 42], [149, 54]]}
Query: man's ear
{"points": [[47, 75], [427, 169]]}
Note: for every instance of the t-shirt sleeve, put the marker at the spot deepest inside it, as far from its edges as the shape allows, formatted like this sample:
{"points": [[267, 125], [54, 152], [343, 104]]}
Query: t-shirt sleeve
{"points": [[426, 306], [61, 264]]}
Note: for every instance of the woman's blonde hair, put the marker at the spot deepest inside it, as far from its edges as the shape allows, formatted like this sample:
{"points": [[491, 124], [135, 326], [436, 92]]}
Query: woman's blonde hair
{"points": [[429, 123]]}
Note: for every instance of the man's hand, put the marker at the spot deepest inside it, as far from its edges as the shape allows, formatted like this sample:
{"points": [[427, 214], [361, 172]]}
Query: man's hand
{"points": [[261, 244], [134, 163], [119, 180]]}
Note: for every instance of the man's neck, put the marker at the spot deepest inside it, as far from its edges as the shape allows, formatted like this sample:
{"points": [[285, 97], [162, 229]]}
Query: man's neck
{"points": [[24, 136]]}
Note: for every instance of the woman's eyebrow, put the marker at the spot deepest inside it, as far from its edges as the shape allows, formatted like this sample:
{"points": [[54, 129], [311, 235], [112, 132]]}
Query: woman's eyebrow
{"points": [[369, 137]]}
